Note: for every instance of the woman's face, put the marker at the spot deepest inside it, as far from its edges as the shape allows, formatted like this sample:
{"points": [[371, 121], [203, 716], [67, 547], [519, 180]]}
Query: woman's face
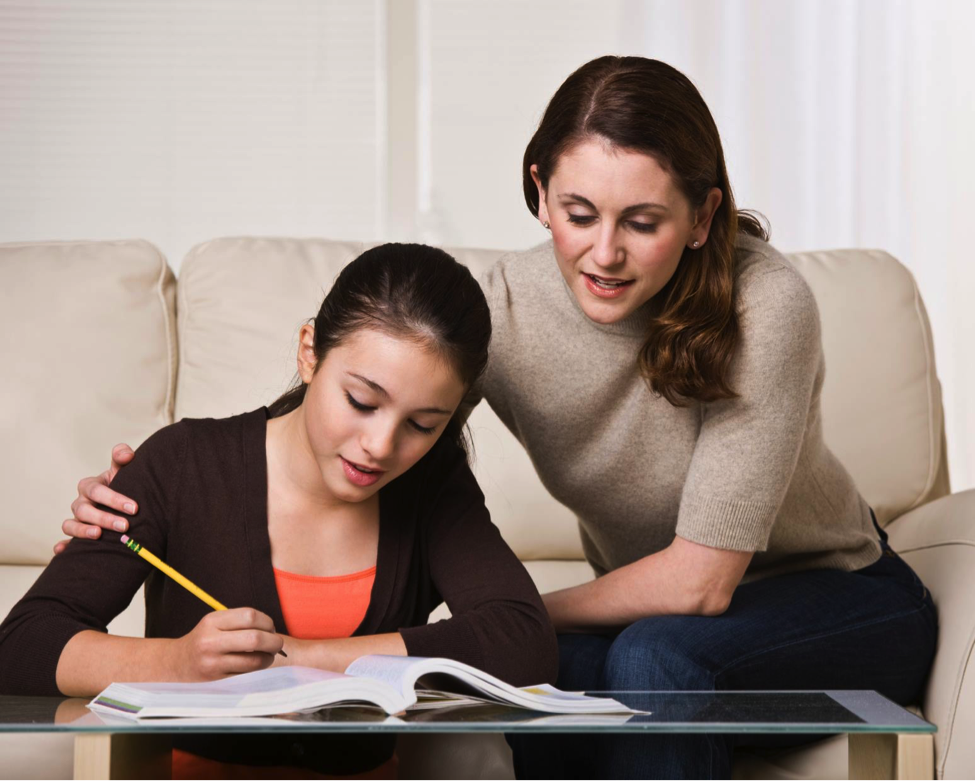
{"points": [[373, 408], [620, 226]]}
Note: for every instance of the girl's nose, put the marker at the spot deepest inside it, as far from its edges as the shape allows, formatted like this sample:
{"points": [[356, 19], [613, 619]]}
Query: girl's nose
{"points": [[379, 441]]}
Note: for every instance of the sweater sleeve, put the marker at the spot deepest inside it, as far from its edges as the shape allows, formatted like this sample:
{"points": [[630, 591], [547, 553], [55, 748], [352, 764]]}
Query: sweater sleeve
{"points": [[495, 292], [748, 447], [91, 581], [498, 622]]}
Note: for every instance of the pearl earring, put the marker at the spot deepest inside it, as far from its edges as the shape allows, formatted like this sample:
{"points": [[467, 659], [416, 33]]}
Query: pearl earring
{"points": [[697, 244], [546, 226]]}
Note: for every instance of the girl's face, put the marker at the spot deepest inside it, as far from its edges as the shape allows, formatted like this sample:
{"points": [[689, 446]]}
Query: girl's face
{"points": [[373, 408], [619, 225]]}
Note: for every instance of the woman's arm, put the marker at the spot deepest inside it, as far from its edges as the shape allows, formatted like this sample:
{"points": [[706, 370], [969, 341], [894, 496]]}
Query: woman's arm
{"points": [[88, 519], [683, 579], [744, 459]]}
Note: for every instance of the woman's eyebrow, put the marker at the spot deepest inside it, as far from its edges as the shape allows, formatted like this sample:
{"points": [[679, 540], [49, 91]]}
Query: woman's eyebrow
{"points": [[637, 207], [385, 394]]}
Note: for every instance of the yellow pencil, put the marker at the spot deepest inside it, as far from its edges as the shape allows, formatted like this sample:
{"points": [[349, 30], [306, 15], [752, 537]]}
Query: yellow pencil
{"points": [[185, 582]]}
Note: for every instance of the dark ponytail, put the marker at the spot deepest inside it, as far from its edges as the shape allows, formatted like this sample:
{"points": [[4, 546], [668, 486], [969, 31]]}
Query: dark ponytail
{"points": [[408, 291]]}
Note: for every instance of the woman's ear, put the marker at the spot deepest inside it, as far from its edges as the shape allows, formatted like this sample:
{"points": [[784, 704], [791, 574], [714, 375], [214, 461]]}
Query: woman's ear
{"points": [[542, 205], [702, 222], [306, 353]]}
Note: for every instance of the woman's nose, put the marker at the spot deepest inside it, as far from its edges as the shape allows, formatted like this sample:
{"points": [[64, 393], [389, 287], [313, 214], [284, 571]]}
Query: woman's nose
{"points": [[607, 252]]}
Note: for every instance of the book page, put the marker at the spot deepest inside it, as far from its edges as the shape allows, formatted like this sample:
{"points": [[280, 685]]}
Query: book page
{"points": [[402, 672], [273, 691]]}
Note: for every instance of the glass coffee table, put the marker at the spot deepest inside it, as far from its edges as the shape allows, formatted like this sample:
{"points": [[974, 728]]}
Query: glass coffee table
{"points": [[886, 741]]}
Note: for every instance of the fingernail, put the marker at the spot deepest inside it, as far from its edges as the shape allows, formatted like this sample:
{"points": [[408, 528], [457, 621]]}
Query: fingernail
{"points": [[129, 508], [93, 532], [119, 526]]}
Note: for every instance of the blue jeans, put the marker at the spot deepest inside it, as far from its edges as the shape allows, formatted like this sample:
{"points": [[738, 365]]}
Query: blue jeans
{"points": [[875, 628]]}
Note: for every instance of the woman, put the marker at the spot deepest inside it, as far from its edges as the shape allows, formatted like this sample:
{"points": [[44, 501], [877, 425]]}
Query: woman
{"points": [[351, 491], [662, 364]]}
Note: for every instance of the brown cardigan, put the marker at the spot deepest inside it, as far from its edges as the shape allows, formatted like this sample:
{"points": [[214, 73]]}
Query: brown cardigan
{"points": [[201, 486]]}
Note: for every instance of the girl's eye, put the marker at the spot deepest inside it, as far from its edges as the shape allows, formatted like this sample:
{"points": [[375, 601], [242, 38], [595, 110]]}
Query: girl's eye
{"points": [[643, 227], [365, 408], [357, 405], [580, 219]]}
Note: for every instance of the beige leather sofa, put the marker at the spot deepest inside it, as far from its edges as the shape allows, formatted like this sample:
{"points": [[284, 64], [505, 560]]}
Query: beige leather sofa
{"points": [[100, 345]]}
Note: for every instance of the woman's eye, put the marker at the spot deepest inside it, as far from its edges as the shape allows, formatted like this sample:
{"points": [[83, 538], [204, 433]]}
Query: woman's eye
{"points": [[422, 429], [643, 227], [579, 219], [357, 405]]}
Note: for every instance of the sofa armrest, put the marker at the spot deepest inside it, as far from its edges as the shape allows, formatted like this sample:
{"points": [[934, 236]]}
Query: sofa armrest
{"points": [[938, 541]]}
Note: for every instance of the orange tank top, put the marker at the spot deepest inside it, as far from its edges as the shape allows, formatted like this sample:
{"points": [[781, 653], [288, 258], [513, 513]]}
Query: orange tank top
{"points": [[314, 608], [324, 608]]}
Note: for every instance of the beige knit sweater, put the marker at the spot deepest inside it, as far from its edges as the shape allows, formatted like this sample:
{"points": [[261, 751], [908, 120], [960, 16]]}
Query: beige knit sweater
{"points": [[750, 473]]}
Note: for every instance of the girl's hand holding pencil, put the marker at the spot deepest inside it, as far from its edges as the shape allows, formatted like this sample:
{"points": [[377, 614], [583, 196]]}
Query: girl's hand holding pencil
{"points": [[225, 642]]}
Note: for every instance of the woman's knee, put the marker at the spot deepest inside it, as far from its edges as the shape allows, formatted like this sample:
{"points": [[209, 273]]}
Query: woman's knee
{"points": [[656, 654]]}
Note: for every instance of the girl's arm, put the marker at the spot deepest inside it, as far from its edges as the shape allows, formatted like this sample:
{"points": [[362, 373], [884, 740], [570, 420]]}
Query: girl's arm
{"points": [[224, 642], [337, 654], [54, 640], [498, 622]]}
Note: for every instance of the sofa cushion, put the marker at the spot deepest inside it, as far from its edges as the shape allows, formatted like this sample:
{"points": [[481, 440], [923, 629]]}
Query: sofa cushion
{"points": [[89, 360], [881, 398]]}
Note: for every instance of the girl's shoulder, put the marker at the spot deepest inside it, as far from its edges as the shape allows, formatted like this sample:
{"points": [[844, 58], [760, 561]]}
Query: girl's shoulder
{"points": [[204, 437]]}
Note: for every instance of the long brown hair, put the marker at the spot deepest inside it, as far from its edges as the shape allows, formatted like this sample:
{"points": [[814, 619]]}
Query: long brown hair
{"points": [[409, 291], [647, 106]]}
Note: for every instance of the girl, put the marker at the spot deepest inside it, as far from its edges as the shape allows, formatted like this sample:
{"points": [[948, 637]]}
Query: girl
{"points": [[662, 365], [333, 521]]}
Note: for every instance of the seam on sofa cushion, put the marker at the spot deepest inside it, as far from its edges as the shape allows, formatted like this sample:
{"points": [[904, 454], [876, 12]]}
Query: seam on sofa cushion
{"points": [[933, 451], [172, 345], [949, 728], [969, 543], [953, 710]]}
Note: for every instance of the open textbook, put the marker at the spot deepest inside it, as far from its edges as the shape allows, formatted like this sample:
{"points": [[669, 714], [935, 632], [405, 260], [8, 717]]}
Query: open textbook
{"points": [[389, 682]]}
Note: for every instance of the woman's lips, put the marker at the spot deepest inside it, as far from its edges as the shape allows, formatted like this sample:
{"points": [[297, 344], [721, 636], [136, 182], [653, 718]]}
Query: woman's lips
{"points": [[358, 477], [606, 292]]}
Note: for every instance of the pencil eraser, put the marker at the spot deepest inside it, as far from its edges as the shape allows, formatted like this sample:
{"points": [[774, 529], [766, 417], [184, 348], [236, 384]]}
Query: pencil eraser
{"points": [[125, 538]]}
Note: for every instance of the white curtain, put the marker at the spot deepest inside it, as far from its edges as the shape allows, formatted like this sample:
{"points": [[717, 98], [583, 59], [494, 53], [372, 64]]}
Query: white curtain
{"points": [[848, 123], [178, 121]]}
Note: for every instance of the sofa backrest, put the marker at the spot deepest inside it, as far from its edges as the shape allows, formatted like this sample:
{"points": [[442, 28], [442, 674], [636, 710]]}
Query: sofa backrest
{"points": [[90, 353], [88, 340], [241, 302]]}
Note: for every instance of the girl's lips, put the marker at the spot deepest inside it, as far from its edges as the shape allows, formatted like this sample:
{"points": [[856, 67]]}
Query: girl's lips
{"points": [[357, 477], [604, 292]]}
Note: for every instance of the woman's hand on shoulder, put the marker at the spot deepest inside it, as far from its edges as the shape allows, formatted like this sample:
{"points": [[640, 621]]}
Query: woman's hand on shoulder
{"points": [[226, 642], [88, 520]]}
